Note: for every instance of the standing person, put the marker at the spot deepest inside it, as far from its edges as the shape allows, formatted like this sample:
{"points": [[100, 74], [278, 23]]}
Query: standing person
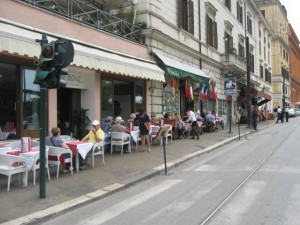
{"points": [[95, 135], [55, 140], [254, 117], [193, 120], [144, 132], [287, 109], [279, 114]]}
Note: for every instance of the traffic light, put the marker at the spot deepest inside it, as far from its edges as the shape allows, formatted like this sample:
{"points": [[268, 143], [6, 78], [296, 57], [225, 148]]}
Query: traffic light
{"points": [[54, 57]]}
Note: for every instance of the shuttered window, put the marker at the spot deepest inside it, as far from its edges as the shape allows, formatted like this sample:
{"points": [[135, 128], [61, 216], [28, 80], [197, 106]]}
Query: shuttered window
{"points": [[186, 15], [228, 43], [239, 10], [211, 32], [228, 4]]}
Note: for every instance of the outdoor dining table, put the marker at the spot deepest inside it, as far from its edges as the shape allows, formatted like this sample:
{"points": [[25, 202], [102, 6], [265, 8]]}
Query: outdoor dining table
{"points": [[79, 147], [30, 156], [4, 149]]}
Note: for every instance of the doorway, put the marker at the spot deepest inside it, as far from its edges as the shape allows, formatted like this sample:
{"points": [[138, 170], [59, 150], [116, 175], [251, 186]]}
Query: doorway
{"points": [[68, 100]]}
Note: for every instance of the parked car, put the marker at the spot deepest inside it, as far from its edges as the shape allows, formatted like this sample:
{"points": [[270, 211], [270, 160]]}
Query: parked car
{"points": [[292, 112], [297, 112]]}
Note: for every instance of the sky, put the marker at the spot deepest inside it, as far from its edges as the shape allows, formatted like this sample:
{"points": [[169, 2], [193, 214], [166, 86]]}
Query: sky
{"points": [[292, 7]]}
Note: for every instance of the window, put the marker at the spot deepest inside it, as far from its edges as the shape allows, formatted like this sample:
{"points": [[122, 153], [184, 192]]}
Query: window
{"points": [[228, 4], [251, 62], [259, 45], [211, 32], [249, 24], [31, 101], [263, 12], [266, 74], [239, 10], [241, 50], [261, 71], [228, 43], [186, 15]]}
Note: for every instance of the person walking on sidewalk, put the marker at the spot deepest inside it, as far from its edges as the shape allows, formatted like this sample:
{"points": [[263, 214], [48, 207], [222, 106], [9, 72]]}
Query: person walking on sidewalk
{"points": [[287, 109], [192, 119], [254, 117], [144, 132], [279, 114]]}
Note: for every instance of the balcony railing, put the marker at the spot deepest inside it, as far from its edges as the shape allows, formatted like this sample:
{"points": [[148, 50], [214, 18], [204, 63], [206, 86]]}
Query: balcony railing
{"points": [[89, 13], [229, 60]]}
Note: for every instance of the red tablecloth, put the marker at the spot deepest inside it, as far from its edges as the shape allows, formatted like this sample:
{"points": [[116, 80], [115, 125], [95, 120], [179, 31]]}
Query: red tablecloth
{"points": [[16, 152]]}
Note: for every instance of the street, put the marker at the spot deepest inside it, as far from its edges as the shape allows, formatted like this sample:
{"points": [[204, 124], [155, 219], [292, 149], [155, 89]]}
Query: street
{"points": [[254, 180]]}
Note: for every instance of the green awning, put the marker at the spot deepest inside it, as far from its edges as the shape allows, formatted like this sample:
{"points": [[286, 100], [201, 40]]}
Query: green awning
{"points": [[181, 70]]}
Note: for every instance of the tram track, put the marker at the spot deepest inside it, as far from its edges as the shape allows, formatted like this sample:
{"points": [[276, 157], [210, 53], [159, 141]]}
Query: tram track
{"points": [[230, 196]]}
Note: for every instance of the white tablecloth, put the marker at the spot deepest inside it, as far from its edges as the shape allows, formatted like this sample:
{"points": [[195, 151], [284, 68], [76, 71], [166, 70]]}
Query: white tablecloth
{"points": [[3, 150], [30, 156], [84, 148]]}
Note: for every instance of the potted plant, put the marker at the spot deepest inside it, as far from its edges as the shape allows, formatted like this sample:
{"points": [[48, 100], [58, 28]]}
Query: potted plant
{"points": [[80, 120], [232, 51]]}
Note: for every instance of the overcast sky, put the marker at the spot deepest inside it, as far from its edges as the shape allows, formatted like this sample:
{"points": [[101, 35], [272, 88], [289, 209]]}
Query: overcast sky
{"points": [[292, 7]]}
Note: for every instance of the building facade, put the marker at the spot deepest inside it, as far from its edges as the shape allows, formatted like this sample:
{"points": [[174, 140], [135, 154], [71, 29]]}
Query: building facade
{"points": [[109, 75], [294, 56], [276, 15], [208, 38]]}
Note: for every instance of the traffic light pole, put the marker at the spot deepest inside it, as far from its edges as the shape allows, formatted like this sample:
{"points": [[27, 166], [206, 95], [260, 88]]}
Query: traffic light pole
{"points": [[43, 92]]}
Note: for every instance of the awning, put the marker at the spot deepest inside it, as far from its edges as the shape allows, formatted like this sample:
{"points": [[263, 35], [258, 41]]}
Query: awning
{"points": [[18, 41], [181, 70], [262, 95]]}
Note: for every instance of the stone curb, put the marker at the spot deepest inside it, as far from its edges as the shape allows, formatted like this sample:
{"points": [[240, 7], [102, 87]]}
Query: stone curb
{"points": [[38, 217]]}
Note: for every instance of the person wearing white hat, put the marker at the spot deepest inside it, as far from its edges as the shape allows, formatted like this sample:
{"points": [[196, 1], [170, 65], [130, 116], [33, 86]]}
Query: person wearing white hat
{"points": [[95, 135]]}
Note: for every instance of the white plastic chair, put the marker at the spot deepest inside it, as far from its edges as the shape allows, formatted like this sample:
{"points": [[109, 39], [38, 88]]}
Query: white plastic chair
{"points": [[10, 165], [36, 163], [117, 139], [96, 151], [154, 131], [169, 134], [56, 152]]}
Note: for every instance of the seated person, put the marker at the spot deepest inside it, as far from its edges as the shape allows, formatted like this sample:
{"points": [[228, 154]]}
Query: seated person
{"points": [[119, 127], [180, 128], [130, 122], [167, 119], [106, 126], [95, 135], [154, 120], [209, 117], [55, 140]]}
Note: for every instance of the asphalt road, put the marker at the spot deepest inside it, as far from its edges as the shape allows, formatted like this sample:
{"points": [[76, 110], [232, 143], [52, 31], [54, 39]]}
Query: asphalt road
{"points": [[255, 180]]}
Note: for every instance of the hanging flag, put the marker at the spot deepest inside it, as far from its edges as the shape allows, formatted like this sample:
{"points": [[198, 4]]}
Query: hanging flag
{"points": [[212, 93], [177, 85], [203, 95], [191, 92], [187, 89], [172, 85]]}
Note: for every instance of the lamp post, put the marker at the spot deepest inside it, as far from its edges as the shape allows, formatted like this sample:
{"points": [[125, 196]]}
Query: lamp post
{"points": [[283, 97]]}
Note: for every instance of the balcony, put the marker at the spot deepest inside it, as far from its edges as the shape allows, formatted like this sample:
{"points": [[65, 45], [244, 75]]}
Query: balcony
{"points": [[234, 63], [118, 19]]}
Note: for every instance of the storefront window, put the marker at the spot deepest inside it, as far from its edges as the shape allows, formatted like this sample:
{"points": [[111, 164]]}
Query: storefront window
{"points": [[139, 96], [107, 98], [31, 101]]}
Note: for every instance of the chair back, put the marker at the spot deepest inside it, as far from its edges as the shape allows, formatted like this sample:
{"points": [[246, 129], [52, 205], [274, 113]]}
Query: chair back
{"points": [[119, 137], [8, 162], [98, 144]]}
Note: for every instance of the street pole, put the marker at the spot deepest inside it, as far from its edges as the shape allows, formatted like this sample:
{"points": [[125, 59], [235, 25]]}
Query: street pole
{"points": [[283, 100], [249, 114], [43, 92]]}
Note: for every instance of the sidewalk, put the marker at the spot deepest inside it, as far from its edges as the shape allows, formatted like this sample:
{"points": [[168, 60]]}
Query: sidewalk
{"points": [[23, 205]]}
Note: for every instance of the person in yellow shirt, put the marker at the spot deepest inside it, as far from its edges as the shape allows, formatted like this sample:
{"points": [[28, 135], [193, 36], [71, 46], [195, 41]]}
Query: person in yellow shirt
{"points": [[95, 135]]}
